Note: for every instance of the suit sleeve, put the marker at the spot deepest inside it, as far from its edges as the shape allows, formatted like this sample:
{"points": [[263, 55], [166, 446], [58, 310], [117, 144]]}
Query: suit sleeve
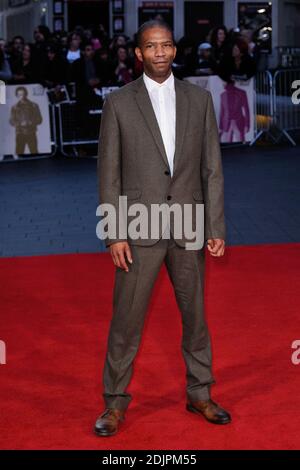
{"points": [[13, 116], [109, 161], [37, 117], [212, 177]]}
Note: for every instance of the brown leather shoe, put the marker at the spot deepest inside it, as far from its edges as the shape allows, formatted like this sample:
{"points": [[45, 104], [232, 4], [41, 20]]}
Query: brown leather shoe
{"points": [[210, 410], [107, 423]]}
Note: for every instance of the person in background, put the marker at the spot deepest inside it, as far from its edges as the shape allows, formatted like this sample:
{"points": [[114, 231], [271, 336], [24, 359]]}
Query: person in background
{"points": [[2, 45], [41, 37], [124, 67], [63, 43], [138, 66], [15, 50], [55, 73], [206, 64], [87, 34], [239, 65], [16, 47], [219, 41], [117, 41], [100, 33], [5, 70], [26, 70], [186, 58], [106, 72], [85, 73], [74, 52], [39, 49], [254, 48], [96, 44]]}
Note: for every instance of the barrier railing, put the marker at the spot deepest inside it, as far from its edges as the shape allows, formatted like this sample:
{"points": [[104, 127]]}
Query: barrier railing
{"points": [[74, 124], [276, 114], [78, 125], [53, 132], [286, 113], [264, 109]]}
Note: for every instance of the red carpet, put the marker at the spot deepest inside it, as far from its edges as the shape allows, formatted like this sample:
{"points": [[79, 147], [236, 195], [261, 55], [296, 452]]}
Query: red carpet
{"points": [[55, 313]]}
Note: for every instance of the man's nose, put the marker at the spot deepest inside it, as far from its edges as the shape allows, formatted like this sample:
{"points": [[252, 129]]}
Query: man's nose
{"points": [[159, 51]]}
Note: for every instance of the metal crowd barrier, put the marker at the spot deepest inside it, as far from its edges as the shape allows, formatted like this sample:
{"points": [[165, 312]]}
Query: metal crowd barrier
{"points": [[75, 125], [79, 122], [53, 133], [275, 111], [78, 125], [286, 113], [263, 92]]}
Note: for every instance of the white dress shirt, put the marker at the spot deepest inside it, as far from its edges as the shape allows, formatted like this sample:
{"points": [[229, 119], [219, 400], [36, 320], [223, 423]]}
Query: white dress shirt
{"points": [[73, 55], [163, 99]]}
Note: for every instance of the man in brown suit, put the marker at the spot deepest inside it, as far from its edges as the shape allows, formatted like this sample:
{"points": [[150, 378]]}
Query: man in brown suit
{"points": [[159, 144]]}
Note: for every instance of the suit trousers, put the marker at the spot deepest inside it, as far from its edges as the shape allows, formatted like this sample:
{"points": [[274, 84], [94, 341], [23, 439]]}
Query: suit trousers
{"points": [[131, 295]]}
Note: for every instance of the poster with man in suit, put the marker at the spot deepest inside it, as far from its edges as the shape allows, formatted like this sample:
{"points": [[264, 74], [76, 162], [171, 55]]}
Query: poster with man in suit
{"points": [[25, 116], [25, 122]]}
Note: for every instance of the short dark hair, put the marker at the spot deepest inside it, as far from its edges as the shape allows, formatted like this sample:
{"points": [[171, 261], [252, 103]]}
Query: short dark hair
{"points": [[87, 43], [242, 44], [21, 88], [152, 24], [18, 37]]}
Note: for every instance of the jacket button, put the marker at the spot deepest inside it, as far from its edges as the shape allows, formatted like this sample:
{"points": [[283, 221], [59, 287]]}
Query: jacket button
{"points": [[169, 197], [167, 172]]}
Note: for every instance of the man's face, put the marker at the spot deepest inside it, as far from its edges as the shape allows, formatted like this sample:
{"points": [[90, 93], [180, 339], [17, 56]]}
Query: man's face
{"points": [[206, 53], [26, 52], [221, 35], [157, 52], [121, 41], [21, 95], [122, 54], [236, 51], [88, 52], [38, 36], [75, 42], [18, 44], [51, 55], [64, 41]]}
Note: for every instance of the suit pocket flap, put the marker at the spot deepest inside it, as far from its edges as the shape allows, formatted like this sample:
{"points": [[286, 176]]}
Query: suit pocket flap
{"points": [[198, 196], [132, 193]]}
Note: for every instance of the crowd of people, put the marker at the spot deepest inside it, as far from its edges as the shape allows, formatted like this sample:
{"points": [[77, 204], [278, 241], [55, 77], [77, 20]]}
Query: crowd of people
{"points": [[90, 59]]}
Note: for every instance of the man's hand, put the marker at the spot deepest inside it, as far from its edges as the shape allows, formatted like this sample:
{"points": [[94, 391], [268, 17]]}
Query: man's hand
{"points": [[118, 251], [216, 246]]}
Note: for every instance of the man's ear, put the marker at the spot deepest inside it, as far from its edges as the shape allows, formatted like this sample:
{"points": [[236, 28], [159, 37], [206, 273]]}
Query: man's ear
{"points": [[138, 53]]}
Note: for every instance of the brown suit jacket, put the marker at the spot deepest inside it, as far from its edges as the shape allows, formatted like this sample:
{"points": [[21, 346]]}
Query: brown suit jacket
{"points": [[132, 160]]}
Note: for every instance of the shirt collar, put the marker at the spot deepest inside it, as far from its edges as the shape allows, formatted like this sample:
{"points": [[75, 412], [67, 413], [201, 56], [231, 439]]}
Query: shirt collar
{"points": [[152, 84]]}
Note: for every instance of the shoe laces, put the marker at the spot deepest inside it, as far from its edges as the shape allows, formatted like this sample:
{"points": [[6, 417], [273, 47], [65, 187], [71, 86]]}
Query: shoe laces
{"points": [[110, 412]]}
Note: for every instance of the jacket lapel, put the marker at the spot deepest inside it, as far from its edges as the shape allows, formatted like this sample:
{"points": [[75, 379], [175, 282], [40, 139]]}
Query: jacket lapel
{"points": [[182, 110], [145, 105]]}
